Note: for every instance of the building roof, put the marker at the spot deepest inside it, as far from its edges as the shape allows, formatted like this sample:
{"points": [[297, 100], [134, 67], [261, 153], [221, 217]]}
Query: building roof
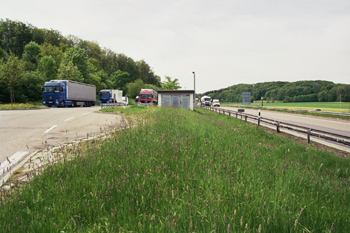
{"points": [[176, 91]]}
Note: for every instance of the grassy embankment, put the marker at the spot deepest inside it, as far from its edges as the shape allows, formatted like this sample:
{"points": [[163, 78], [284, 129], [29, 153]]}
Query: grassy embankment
{"points": [[21, 106], [184, 171]]}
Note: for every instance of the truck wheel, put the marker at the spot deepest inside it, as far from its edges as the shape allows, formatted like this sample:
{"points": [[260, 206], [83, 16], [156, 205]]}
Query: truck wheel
{"points": [[63, 104]]}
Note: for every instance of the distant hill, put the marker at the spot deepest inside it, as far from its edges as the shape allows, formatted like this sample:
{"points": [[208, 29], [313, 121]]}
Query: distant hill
{"points": [[300, 91]]}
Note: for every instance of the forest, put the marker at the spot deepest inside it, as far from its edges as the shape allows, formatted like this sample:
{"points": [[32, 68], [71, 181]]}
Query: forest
{"points": [[30, 56], [300, 91]]}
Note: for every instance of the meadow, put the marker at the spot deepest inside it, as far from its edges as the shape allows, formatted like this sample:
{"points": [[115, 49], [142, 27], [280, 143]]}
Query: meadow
{"points": [[21, 106], [184, 171], [323, 106]]}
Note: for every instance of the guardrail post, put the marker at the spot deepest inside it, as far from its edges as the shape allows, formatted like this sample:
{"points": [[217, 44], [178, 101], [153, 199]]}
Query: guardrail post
{"points": [[245, 117], [308, 136], [229, 114], [236, 115], [278, 127], [258, 121]]}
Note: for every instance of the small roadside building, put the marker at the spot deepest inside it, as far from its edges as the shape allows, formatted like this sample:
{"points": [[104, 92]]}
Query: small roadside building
{"points": [[176, 99]]}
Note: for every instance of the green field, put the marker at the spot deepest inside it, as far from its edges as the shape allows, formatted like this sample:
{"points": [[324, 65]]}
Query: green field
{"points": [[323, 106], [184, 171]]}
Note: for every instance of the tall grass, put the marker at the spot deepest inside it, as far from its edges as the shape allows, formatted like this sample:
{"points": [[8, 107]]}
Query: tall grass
{"points": [[21, 106], [185, 171]]}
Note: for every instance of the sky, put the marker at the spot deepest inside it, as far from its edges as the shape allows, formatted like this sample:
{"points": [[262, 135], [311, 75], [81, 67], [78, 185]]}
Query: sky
{"points": [[225, 42]]}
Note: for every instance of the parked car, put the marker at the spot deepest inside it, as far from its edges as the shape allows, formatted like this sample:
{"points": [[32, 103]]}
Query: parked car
{"points": [[216, 103], [125, 100]]}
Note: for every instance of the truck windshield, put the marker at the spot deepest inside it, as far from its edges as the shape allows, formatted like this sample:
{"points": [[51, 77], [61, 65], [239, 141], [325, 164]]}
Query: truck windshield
{"points": [[52, 89], [104, 94], [145, 96], [207, 99]]}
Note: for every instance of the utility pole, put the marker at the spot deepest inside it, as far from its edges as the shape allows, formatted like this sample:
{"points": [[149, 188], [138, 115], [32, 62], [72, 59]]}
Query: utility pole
{"points": [[194, 87]]}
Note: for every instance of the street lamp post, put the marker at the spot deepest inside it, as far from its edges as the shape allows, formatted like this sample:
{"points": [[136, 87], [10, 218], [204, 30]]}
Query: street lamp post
{"points": [[194, 86]]}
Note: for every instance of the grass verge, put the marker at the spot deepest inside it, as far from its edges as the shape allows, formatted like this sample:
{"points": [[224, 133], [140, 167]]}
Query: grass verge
{"points": [[186, 171], [21, 106]]}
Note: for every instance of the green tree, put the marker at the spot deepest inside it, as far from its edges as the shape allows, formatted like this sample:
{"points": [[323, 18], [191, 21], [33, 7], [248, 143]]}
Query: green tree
{"points": [[3, 54], [170, 84], [38, 35], [50, 50], [75, 57], [31, 56], [134, 88], [109, 61], [47, 68], [127, 64], [14, 36], [53, 37], [31, 86], [323, 96], [70, 71], [11, 72], [120, 79]]}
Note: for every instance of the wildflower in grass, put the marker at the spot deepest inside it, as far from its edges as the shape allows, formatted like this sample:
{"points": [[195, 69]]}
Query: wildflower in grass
{"points": [[241, 220], [268, 221], [259, 229], [301, 211], [295, 223], [332, 226]]}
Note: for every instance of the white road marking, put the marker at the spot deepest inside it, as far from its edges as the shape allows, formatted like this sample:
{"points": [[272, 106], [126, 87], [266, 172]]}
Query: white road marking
{"points": [[48, 130], [13, 159], [68, 119]]}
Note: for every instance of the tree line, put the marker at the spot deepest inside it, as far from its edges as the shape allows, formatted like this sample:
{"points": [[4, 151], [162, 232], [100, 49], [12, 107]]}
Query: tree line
{"points": [[300, 91], [30, 56]]}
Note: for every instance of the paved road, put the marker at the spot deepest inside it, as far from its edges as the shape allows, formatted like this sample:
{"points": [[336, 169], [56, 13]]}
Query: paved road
{"points": [[332, 125], [25, 131]]}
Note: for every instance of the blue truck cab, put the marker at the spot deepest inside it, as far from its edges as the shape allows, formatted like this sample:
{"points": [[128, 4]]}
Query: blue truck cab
{"points": [[107, 96], [54, 94]]}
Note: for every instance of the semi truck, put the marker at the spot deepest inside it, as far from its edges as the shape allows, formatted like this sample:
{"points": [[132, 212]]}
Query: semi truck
{"points": [[107, 96], [61, 93], [206, 100], [149, 96]]}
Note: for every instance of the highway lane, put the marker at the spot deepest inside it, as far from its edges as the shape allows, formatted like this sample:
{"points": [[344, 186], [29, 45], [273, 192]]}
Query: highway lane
{"points": [[332, 125], [25, 131]]}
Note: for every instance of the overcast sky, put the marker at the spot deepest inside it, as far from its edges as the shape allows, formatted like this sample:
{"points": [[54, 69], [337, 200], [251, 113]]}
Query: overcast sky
{"points": [[225, 42]]}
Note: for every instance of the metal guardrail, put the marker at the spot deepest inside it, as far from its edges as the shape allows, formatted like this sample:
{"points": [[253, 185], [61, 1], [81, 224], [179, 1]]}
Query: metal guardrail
{"points": [[329, 136], [110, 105]]}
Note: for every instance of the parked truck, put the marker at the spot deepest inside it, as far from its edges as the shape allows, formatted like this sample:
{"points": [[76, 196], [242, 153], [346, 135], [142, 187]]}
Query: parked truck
{"points": [[206, 100], [149, 96], [61, 93], [107, 96]]}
